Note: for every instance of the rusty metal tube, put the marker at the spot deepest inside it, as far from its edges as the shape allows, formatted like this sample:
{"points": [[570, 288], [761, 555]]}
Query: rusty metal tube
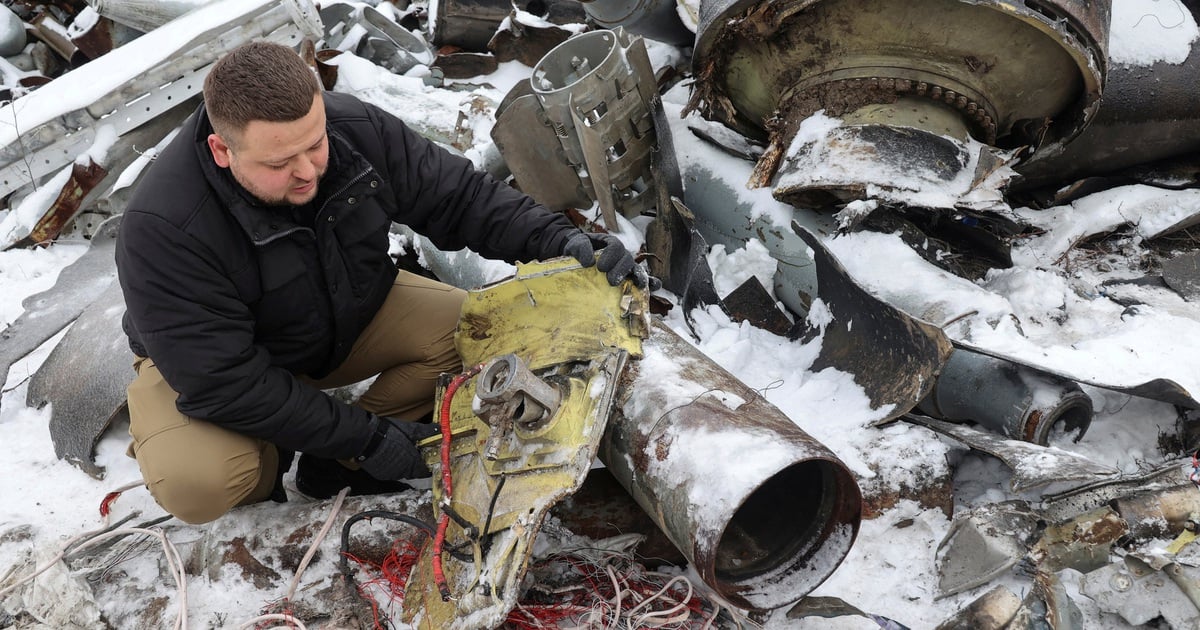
{"points": [[1159, 512], [1008, 398], [763, 511]]}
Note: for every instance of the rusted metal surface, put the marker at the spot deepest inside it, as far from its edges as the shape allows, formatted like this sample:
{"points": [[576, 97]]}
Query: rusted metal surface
{"points": [[1159, 513], [1010, 399], [84, 177], [763, 67], [763, 534]]}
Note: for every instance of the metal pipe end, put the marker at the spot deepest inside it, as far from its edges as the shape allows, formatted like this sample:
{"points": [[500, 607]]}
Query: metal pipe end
{"points": [[788, 536]]}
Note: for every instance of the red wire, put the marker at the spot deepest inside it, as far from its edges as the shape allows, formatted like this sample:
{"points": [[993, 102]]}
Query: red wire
{"points": [[439, 539]]}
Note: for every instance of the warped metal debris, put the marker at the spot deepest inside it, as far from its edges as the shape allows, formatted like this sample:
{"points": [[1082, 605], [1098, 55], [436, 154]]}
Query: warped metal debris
{"points": [[1033, 466], [1140, 588], [78, 285], [85, 379], [983, 544]]}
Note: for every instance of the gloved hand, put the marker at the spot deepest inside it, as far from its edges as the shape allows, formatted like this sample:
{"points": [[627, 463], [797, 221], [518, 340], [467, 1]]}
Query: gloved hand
{"points": [[615, 261], [392, 452]]}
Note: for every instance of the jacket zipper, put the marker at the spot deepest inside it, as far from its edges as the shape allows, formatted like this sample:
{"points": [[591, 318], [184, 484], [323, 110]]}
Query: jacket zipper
{"points": [[343, 189]]}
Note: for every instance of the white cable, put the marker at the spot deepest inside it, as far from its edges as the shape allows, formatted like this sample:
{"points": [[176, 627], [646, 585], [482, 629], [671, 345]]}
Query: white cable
{"points": [[312, 550]]}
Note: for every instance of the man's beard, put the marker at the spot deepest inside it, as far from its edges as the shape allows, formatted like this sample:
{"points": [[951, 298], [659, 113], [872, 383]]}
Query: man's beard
{"points": [[268, 200]]}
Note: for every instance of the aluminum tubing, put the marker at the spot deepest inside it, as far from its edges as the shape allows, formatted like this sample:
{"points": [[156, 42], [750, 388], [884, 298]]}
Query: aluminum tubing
{"points": [[764, 512]]}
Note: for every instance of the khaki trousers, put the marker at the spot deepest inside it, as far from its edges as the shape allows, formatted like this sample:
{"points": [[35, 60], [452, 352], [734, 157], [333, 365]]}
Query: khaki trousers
{"points": [[197, 470]]}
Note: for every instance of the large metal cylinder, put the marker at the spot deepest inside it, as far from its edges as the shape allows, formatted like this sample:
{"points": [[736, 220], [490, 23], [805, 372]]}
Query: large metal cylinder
{"points": [[1009, 74], [1148, 113], [1008, 398], [763, 511]]}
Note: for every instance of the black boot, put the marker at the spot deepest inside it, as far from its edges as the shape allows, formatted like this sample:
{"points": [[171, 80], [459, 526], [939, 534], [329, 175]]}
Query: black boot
{"points": [[323, 478], [278, 494]]}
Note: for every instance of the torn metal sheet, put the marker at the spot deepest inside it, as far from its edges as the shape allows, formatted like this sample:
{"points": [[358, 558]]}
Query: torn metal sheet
{"points": [[983, 544], [1033, 466], [832, 607], [525, 430], [763, 538], [1007, 398], [991, 611], [893, 357], [78, 285], [763, 67], [1062, 506], [84, 379], [1047, 606], [1139, 591]]}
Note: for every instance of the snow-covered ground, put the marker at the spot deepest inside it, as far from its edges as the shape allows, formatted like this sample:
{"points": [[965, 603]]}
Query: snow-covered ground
{"points": [[1050, 307]]}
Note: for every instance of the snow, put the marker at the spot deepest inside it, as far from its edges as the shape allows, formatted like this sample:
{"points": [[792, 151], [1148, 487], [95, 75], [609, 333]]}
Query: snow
{"points": [[1050, 309], [1144, 32]]}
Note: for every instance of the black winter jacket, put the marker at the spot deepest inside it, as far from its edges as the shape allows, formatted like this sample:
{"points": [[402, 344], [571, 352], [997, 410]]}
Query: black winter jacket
{"points": [[230, 298]]}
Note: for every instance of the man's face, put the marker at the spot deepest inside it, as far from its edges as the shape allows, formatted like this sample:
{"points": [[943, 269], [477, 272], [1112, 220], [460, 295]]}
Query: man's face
{"points": [[280, 163]]}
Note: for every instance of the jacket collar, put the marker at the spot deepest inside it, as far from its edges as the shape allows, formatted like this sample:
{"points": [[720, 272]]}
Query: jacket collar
{"points": [[263, 223]]}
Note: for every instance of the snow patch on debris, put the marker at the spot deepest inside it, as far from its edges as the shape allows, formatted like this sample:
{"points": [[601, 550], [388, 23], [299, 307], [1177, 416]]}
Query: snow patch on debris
{"points": [[1145, 32]]}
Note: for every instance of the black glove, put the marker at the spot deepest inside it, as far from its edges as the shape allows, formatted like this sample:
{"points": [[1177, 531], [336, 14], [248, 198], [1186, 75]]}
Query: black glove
{"points": [[392, 452], [615, 261]]}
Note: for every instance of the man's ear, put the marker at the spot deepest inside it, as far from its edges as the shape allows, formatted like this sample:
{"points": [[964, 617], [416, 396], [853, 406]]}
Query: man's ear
{"points": [[220, 150]]}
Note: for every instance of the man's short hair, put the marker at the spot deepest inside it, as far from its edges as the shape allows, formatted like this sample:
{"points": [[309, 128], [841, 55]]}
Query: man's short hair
{"points": [[258, 81]]}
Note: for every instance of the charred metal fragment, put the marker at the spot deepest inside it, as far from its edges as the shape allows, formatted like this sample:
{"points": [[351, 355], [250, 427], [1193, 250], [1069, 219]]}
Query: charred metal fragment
{"points": [[472, 24], [983, 544], [1047, 606], [84, 379], [46, 313], [1159, 513], [762, 538], [904, 353], [1007, 398], [991, 611], [84, 177], [1082, 543], [1033, 466]]}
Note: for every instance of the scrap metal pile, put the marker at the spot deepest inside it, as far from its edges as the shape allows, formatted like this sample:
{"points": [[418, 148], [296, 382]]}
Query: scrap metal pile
{"points": [[933, 119]]}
